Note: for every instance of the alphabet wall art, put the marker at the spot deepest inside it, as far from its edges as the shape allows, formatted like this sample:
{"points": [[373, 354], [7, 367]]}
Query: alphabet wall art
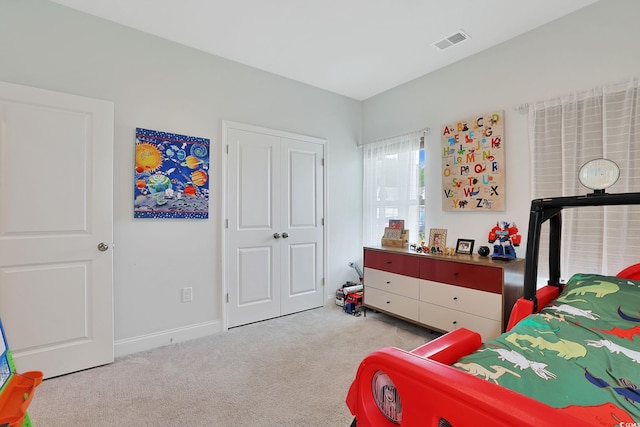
{"points": [[473, 164]]}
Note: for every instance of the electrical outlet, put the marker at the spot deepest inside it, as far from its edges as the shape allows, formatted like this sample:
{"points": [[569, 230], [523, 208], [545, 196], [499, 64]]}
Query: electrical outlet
{"points": [[187, 294]]}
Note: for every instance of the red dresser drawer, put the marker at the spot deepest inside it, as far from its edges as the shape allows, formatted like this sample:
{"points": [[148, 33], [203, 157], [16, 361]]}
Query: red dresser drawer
{"points": [[407, 265], [483, 278]]}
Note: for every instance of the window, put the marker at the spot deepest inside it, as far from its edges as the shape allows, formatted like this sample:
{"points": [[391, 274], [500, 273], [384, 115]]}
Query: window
{"points": [[393, 186], [567, 132]]}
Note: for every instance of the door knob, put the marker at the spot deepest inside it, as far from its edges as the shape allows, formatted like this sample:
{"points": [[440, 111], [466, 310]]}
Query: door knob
{"points": [[285, 235], [276, 235], [102, 246]]}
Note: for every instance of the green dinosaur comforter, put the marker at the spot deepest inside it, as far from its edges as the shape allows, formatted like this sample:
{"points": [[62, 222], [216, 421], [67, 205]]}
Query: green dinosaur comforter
{"points": [[580, 353]]}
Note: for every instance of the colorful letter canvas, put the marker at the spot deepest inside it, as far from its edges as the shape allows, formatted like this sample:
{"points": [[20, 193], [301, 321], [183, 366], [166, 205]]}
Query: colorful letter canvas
{"points": [[473, 164]]}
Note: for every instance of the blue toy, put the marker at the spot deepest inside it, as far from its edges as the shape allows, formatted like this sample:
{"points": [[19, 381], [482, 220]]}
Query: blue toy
{"points": [[506, 236]]}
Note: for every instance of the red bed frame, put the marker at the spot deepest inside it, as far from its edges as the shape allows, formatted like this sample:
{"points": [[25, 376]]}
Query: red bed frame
{"points": [[435, 394]]}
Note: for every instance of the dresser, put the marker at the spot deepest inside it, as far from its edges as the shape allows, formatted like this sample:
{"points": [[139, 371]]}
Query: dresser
{"points": [[443, 292]]}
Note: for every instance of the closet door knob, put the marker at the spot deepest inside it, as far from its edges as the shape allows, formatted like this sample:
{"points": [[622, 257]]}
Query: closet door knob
{"points": [[276, 235], [285, 235]]}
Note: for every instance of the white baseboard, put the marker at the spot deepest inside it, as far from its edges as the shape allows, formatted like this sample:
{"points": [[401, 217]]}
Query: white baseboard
{"points": [[161, 339]]}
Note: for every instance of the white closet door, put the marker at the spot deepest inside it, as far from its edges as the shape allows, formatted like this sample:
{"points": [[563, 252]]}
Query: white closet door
{"points": [[253, 253], [274, 239], [302, 189]]}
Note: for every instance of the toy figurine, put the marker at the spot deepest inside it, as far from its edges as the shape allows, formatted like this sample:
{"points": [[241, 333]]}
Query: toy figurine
{"points": [[506, 236]]}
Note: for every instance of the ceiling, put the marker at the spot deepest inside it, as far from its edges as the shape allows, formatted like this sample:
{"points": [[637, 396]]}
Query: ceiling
{"points": [[357, 48]]}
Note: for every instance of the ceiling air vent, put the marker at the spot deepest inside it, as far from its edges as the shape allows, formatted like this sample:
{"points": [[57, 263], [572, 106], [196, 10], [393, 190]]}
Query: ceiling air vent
{"points": [[453, 39]]}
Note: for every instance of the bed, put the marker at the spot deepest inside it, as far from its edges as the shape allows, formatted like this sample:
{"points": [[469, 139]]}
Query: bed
{"points": [[570, 355]]}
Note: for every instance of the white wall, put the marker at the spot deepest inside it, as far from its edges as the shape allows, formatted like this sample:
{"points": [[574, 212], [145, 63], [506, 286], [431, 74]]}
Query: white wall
{"points": [[593, 46], [165, 86], [161, 85]]}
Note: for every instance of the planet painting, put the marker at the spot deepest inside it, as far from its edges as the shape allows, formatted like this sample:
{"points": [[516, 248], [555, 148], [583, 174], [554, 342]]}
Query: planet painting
{"points": [[171, 175]]}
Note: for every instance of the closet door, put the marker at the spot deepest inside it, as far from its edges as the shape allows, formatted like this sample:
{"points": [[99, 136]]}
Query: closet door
{"points": [[301, 221], [253, 234], [274, 236]]}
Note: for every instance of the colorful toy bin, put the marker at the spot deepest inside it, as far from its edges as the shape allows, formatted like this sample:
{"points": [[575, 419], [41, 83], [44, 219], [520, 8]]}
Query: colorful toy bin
{"points": [[16, 390]]}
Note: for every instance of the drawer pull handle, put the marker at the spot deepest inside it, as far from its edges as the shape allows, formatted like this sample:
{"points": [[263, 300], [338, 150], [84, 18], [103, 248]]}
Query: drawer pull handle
{"points": [[455, 298], [455, 322], [388, 282], [388, 302], [389, 262]]}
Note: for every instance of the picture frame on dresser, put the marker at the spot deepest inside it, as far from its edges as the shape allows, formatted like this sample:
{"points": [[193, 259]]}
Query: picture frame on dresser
{"points": [[438, 239], [465, 246]]}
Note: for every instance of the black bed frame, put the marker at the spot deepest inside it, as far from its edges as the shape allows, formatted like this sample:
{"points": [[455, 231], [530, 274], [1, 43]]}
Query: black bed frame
{"points": [[550, 209]]}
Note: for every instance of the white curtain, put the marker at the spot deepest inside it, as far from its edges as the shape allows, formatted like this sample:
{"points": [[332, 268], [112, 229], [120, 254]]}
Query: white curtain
{"points": [[565, 133], [392, 186]]}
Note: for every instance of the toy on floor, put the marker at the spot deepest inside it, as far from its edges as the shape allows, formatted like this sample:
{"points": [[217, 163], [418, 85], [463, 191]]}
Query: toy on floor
{"points": [[16, 390], [350, 295], [353, 303]]}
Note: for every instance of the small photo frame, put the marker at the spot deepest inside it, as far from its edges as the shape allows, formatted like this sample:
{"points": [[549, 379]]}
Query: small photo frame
{"points": [[464, 246], [438, 239], [396, 223]]}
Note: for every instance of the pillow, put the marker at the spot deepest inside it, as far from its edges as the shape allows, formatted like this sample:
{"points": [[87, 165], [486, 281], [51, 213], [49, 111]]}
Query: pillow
{"points": [[608, 298]]}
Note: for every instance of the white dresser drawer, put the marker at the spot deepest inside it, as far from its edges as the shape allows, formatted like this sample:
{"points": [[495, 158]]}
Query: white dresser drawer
{"points": [[447, 319], [391, 282], [473, 301], [392, 303]]}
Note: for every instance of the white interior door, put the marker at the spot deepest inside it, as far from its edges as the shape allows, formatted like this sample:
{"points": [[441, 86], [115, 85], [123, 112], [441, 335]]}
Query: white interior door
{"points": [[302, 229], [56, 174], [253, 252], [274, 239]]}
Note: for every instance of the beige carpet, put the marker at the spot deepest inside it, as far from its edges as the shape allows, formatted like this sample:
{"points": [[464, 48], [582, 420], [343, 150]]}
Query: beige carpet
{"points": [[290, 371]]}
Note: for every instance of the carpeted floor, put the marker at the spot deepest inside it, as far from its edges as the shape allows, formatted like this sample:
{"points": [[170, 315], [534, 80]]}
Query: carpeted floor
{"points": [[290, 371]]}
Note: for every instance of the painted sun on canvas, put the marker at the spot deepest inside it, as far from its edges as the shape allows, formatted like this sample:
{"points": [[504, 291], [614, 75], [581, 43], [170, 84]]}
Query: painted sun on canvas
{"points": [[171, 175]]}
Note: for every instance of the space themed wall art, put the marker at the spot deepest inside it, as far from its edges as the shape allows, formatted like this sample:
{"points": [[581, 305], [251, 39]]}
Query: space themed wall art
{"points": [[473, 169], [171, 175]]}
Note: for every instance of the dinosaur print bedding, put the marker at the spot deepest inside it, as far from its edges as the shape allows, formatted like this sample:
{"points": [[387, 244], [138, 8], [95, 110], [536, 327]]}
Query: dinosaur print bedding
{"points": [[581, 353]]}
